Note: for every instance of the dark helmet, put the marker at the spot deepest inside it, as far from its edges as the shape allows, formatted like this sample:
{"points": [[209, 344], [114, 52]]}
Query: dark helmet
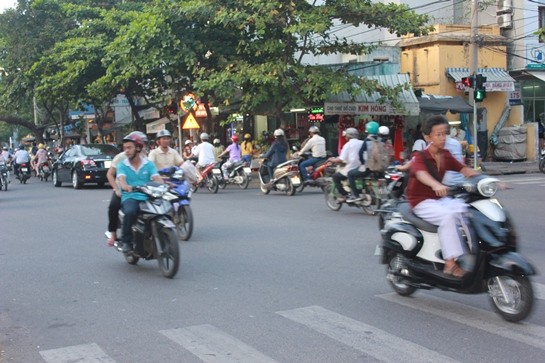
{"points": [[21, 146], [139, 138]]}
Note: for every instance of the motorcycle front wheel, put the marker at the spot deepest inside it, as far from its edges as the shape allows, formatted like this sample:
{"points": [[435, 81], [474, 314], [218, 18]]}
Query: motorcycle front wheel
{"points": [[511, 296], [398, 283], [290, 188], [168, 251], [4, 183], [331, 197], [183, 219]]}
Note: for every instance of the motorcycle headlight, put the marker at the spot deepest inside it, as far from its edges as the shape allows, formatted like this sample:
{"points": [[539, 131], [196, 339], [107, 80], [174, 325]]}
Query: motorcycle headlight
{"points": [[488, 187], [157, 191]]}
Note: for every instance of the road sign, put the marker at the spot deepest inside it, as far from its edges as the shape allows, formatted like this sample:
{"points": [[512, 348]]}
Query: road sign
{"points": [[190, 122]]}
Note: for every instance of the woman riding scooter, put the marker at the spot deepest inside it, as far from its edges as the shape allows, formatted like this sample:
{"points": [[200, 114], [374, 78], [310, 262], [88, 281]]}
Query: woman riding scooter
{"points": [[277, 153]]}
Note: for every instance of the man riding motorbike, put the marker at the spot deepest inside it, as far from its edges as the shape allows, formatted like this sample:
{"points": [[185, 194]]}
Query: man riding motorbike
{"points": [[40, 158], [133, 171], [21, 156], [204, 152], [164, 156], [277, 153], [315, 144], [350, 157], [234, 156]]}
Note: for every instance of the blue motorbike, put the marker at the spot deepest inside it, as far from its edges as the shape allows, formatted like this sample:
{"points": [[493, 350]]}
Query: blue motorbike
{"points": [[180, 197]]}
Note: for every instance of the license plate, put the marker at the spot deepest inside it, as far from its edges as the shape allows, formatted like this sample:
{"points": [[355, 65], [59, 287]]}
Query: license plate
{"points": [[295, 180], [247, 170], [107, 164], [24, 170], [216, 171]]}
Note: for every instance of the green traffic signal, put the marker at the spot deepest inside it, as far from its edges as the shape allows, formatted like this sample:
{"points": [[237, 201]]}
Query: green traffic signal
{"points": [[479, 95]]}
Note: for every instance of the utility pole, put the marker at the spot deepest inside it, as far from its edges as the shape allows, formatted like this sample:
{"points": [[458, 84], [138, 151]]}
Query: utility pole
{"points": [[473, 68]]}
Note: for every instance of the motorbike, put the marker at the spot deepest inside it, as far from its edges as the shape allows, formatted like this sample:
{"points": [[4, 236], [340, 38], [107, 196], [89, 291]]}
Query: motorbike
{"points": [[209, 179], [23, 172], [238, 174], [317, 173], [542, 161], [154, 233], [411, 251], [4, 176], [374, 191], [285, 178], [179, 196], [44, 170]]}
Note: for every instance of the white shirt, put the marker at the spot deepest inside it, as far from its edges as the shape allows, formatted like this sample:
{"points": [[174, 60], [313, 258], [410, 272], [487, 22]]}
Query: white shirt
{"points": [[455, 148], [317, 145], [350, 154], [21, 156], [205, 152]]}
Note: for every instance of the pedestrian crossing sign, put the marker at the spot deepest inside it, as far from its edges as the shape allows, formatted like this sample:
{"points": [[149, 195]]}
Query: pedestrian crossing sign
{"points": [[190, 122]]}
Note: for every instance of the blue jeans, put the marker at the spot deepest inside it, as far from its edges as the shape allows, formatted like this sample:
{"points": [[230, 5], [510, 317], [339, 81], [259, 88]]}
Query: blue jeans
{"points": [[352, 176], [130, 207], [247, 159], [309, 162]]}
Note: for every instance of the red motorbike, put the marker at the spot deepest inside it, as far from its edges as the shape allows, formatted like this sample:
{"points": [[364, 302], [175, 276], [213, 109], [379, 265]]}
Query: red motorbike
{"points": [[317, 172], [209, 180]]}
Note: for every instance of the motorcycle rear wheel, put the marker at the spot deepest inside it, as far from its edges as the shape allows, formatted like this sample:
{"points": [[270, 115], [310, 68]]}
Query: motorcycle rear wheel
{"points": [[331, 197], [542, 165], [212, 184], [395, 265], [374, 202], [184, 222], [168, 251], [519, 304], [245, 179]]}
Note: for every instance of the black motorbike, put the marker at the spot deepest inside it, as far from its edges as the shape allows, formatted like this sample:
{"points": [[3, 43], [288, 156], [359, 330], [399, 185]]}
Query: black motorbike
{"points": [[542, 161], [154, 233], [238, 173], [23, 172], [411, 250], [4, 176]]}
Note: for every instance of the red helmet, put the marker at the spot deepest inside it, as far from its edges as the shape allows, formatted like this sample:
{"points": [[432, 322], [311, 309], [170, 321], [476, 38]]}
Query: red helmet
{"points": [[138, 137], [234, 138]]}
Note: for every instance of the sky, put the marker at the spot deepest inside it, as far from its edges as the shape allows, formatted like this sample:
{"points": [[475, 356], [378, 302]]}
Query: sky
{"points": [[4, 4]]}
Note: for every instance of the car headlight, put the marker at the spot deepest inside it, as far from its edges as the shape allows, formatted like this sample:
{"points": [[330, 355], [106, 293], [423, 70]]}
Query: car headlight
{"points": [[488, 186]]}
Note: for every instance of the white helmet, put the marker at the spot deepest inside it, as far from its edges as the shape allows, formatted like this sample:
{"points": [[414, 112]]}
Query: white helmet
{"points": [[314, 129], [352, 132], [163, 133], [204, 136], [216, 141], [278, 132], [384, 131], [187, 142]]}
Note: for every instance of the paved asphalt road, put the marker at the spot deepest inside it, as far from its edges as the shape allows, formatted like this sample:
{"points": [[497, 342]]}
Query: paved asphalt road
{"points": [[263, 279]]}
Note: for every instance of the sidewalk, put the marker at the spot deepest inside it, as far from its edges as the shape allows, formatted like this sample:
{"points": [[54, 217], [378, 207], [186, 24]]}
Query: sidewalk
{"points": [[513, 167]]}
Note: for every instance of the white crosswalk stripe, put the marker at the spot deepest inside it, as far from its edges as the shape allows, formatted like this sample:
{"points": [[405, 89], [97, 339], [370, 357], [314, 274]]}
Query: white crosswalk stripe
{"points": [[365, 338], [85, 353], [526, 333], [211, 344]]}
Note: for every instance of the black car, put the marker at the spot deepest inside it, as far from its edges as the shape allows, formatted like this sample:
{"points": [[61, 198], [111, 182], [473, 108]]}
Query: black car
{"points": [[82, 164]]}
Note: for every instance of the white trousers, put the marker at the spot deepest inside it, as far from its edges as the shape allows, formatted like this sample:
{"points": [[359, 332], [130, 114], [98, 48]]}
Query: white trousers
{"points": [[446, 213]]}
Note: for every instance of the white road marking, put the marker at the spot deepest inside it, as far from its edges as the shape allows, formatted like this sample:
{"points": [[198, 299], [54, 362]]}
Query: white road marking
{"points": [[85, 353], [213, 345], [526, 333], [365, 338]]}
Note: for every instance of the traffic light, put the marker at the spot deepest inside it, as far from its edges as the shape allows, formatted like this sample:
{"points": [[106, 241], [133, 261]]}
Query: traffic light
{"points": [[480, 94], [467, 81], [480, 89]]}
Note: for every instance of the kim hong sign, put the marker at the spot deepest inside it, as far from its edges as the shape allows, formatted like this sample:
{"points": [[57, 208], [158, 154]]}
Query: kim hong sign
{"points": [[332, 108]]}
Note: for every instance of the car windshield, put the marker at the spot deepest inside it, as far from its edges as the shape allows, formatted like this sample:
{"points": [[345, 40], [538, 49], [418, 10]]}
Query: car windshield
{"points": [[99, 149]]}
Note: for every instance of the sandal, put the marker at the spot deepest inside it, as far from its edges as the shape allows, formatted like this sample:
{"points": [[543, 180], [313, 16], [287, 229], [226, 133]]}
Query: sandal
{"points": [[454, 270]]}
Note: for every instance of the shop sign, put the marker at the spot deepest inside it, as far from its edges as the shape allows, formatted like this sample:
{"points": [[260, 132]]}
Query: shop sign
{"points": [[515, 97], [332, 108]]}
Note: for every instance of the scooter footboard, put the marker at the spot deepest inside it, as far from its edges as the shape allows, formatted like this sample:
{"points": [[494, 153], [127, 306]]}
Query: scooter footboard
{"points": [[512, 262]]}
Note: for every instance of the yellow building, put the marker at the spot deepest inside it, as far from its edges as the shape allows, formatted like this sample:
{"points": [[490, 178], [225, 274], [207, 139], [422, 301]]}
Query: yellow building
{"points": [[437, 62]]}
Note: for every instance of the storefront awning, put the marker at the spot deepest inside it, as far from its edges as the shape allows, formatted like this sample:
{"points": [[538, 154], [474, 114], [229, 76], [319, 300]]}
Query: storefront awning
{"points": [[157, 125], [538, 75], [442, 104], [497, 79], [343, 104]]}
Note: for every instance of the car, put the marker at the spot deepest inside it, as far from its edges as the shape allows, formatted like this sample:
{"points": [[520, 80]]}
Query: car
{"points": [[82, 164]]}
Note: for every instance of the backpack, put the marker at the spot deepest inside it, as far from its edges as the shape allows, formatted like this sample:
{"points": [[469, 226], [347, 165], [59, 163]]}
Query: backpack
{"points": [[379, 158]]}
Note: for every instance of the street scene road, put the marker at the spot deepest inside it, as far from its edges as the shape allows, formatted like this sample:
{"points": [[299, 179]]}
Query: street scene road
{"points": [[264, 278]]}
